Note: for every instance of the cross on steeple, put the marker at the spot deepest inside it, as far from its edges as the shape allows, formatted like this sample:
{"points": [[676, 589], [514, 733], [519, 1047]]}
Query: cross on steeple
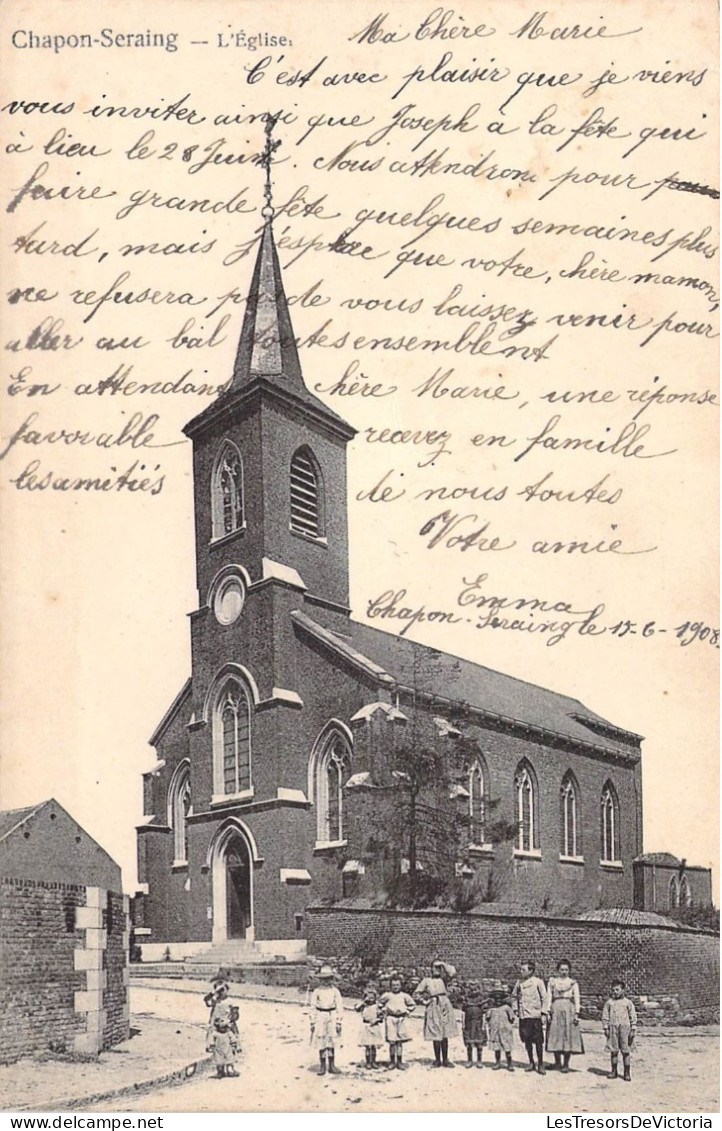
{"points": [[266, 159]]}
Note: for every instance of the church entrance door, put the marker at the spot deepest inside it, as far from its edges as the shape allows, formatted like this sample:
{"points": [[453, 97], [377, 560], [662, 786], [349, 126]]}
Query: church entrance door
{"points": [[238, 890], [232, 856]]}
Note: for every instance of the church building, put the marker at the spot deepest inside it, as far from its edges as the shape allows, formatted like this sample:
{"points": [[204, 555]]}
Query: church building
{"points": [[272, 755]]}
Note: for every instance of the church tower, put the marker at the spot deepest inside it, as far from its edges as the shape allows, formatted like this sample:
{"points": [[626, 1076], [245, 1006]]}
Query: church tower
{"points": [[269, 471], [269, 458]]}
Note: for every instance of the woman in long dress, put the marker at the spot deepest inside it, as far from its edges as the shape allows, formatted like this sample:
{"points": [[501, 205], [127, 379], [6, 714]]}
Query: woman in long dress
{"points": [[439, 1018], [564, 1036]]}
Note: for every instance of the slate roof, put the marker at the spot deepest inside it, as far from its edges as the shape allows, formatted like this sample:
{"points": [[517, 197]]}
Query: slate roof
{"points": [[394, 659], [10, 819]]}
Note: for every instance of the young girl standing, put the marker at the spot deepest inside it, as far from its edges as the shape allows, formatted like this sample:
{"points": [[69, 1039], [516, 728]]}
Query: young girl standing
{"points": [[500, 1028], [372, 1035], [222, 1038], [474, 1028], [439, 1019]]}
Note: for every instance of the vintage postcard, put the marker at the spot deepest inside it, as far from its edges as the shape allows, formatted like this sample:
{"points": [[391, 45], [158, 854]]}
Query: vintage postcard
{"points": [[358, 487]]}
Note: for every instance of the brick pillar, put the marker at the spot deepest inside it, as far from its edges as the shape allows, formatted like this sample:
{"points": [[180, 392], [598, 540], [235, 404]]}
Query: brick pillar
{"points": [[89, 959]]}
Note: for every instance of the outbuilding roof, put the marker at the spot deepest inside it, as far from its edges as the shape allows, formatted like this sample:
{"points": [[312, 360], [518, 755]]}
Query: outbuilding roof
{"points": [[11, 819]]}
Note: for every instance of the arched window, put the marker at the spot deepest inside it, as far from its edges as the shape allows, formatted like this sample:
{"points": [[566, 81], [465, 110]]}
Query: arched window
{"points": [[332, 769], [610, 824], [685, 893], [227, 491], [477, 804], [673, 893], [570, 838], [179, 806], [306, 495], [232, 740], [526, 808]]}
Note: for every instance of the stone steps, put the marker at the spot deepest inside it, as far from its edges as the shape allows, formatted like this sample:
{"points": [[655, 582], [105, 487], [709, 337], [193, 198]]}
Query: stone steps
{"points": [[244, 952], [255, 973]]}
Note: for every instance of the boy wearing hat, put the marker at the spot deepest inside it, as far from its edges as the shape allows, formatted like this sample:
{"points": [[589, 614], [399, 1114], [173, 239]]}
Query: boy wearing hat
{"points": [[326, 1007]]}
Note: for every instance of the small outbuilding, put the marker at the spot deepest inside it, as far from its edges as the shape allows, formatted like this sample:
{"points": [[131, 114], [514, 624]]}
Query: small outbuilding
{"points": [[63, 937], [664, 883]]}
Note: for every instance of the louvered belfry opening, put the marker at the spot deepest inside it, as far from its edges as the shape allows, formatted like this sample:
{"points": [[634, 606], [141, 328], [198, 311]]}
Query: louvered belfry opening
{"points": [[306, 502]]}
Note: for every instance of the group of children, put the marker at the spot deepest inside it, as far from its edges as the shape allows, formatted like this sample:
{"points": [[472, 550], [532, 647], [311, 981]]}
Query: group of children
{"points": [[222, 1037], [487, 1021]]}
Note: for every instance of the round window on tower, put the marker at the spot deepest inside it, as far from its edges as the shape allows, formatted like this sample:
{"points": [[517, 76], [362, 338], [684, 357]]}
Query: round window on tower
{"points": [[228, 599]]}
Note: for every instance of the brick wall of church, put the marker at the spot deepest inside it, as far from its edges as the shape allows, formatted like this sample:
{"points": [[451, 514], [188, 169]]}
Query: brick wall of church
{"points": [[545, 880], [177, 907]]}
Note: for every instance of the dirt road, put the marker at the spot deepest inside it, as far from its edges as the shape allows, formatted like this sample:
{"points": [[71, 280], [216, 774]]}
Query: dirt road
{"points": [[677, 1073]]}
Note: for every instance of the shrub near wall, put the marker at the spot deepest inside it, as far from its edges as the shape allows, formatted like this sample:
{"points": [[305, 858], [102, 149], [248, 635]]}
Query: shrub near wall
{"points": [[672, 973]]}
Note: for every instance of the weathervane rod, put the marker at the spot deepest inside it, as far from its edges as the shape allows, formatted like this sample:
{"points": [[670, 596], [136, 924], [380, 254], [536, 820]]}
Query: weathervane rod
{"points": [[271, 146]]}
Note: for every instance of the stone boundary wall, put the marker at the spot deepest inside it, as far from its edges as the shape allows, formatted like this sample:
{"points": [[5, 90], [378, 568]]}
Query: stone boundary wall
{"points": [[63, 968], [672, 973]]}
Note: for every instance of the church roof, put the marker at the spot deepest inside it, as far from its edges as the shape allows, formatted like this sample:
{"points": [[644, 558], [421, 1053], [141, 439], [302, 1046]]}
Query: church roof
{"points": [[395, 660], [267, 356]]}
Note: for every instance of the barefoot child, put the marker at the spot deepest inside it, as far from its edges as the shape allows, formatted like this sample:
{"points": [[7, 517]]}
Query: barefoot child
{"points": [[619, 1019], [326, 1020], [397, 1006], [474, 1029], [371, 1036], [500, 1027]]}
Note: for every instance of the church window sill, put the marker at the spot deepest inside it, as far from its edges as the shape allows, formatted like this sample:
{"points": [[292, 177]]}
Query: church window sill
{"points": [[220, 799], [481, 849], [570, 859], [611, 865], [223, 539], [322, 846], [179, 866], [527, 854], [317, 539]]}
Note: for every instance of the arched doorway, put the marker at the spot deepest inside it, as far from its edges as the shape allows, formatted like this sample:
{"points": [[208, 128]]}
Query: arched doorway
{"points": [[232, 871], [238, 889]]}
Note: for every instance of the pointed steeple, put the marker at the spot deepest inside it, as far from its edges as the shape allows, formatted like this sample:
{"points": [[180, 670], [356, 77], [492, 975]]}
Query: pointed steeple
{"points": [[267, 347], [267, 362]]}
